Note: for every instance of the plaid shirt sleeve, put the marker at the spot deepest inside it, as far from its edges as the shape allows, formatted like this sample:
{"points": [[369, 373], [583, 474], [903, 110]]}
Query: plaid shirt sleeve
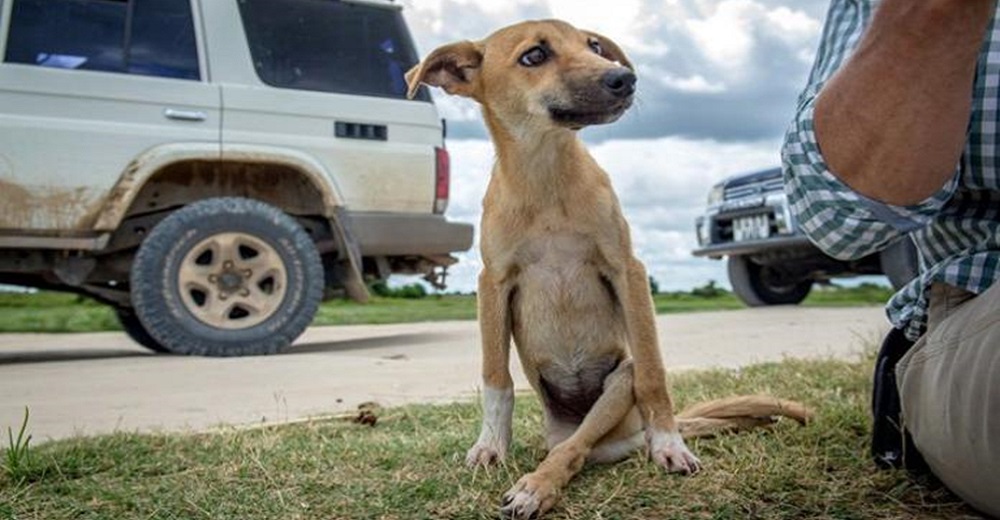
{"points": [[841, 222]]}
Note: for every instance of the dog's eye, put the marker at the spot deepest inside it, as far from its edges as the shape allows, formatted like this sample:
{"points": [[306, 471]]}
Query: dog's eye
{"points": [[595, 46], [533, 57]]}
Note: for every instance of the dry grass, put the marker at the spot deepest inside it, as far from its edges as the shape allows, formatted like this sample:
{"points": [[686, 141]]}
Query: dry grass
{"points": [[409, 467]]}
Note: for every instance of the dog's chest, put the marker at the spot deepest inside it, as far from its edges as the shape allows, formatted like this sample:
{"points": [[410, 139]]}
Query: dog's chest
{"points": [[567, 320], [562, 267], [551, 250], [564, 306]]}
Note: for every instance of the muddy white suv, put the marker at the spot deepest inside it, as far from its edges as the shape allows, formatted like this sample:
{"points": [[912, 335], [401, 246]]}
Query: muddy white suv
{"points": [[213, 168], [770, 260]]}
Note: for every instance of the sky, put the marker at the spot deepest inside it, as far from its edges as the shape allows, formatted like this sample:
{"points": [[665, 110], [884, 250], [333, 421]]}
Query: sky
{"points": [[718, 82]]}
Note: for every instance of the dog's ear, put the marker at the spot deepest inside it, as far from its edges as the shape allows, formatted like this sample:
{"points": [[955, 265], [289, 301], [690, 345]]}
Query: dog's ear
{"points": [[453, 67], [610, 50]]}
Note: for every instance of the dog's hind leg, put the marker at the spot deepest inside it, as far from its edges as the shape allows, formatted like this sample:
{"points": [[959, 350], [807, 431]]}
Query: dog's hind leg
{"points": [[622, 442], [539, 490]]}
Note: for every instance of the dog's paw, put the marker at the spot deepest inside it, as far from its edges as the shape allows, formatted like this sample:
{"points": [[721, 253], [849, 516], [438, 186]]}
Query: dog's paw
{"points": [[529, 498], [484, 454], [669, 451]]}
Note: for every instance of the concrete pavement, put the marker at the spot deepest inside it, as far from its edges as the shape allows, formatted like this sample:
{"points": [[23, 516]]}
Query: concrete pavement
{"points": [[97, 383]]}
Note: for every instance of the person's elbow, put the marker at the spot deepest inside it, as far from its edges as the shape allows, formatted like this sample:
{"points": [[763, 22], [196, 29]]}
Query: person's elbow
{"points": [[823, 208]]}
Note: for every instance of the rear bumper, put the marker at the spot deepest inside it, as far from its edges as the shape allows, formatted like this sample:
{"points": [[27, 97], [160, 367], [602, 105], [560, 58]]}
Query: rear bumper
{"points": [[404, 234]]}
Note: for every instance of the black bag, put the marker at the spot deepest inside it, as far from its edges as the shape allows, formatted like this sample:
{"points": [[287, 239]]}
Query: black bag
{"points": [[892, 447]]}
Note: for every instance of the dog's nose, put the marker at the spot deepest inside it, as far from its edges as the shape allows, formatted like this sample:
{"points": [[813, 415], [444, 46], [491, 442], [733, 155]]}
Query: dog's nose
{"points": [[620, 82]]}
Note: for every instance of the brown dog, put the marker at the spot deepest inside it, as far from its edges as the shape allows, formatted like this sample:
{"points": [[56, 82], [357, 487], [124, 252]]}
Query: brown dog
{"points": [[559, 274]]}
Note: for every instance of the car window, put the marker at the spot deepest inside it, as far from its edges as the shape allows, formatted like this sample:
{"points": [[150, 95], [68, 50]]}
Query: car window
{"points": [[145, 37], [330, 46]]}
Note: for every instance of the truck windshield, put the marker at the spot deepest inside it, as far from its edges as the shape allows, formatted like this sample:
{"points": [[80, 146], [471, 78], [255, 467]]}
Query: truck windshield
{"points": [[330, 46]]}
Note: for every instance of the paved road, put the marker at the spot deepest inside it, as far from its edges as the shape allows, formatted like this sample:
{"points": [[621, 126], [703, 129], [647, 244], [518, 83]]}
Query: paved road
{"points": [[99, 383]]}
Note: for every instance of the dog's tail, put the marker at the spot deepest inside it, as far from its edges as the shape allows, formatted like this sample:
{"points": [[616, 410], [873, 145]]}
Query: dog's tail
{"points": [[737, 413]]}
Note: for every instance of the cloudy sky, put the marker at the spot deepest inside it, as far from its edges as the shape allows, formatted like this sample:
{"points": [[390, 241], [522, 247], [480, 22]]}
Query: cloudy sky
{"points": [[718, 81]]}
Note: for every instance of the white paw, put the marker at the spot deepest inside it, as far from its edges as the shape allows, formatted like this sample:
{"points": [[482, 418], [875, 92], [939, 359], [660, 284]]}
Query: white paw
{"points": [[529, 498], [669, 451], [485, 453], [494, 437]]}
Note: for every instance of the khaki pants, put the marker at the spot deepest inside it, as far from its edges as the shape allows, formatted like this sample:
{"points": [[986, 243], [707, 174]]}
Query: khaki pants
{"points": [[949, 387]]}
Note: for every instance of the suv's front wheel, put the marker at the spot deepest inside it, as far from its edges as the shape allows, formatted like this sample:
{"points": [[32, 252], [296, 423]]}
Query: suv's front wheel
{"points": [[136, 330], [758, 285], [226, 277]]}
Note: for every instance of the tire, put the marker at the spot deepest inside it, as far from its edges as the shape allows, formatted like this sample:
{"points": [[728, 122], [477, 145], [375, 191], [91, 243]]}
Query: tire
{"points": [[134, 329], [756, 284], [900, 262], [226, 277]]}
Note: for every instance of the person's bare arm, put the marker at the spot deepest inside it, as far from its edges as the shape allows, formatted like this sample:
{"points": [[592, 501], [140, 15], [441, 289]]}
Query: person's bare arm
{"points": [[892, 122]]}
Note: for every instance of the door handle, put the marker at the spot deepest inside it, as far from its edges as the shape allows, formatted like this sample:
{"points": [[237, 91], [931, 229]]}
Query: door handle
{"points": [[185, 115]]}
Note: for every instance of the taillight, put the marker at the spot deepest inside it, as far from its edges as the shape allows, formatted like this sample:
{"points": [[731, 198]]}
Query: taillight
{"points": [[442, 180]]}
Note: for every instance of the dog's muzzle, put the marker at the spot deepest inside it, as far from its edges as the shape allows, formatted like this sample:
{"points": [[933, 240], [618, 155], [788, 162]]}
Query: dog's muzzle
{"points": [[596, 102]]}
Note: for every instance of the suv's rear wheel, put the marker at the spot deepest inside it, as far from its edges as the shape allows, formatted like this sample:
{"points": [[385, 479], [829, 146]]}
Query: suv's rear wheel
{"points": [[226, 277], [758, 285]]}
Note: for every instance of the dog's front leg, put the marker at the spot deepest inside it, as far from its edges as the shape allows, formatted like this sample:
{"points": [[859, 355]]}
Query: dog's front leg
{"points": [[498, 387], [536, 492], [666, 446]]}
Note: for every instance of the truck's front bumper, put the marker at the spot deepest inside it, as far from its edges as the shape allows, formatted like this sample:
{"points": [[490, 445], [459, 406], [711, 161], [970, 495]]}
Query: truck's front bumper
{"points": [[394, 234], [753, 246]]}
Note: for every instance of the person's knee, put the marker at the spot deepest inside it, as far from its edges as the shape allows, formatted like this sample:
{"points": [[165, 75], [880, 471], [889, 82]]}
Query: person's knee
{"points": [[950, 396]]}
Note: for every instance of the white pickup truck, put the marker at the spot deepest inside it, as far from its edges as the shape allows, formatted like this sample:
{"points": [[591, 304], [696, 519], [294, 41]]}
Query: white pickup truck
{"points": [[213, 168], [770, 260]]}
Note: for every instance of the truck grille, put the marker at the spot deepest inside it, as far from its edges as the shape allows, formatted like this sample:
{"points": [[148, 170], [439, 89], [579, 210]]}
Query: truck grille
{"points": [[750, 190]]}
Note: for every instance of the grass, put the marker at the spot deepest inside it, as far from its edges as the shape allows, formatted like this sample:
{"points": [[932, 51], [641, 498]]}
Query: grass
{"points": [[16, 460], [60, 312], [408, 466]]}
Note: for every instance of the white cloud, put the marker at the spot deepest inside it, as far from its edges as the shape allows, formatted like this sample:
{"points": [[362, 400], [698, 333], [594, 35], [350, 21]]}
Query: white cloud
{"points": [[795, 27], [694, 84], [614, 22], [726, 36], [455, 108]]}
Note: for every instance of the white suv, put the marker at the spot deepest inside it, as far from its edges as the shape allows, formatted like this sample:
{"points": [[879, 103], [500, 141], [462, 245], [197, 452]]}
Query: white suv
{"points": [[212, 168]]}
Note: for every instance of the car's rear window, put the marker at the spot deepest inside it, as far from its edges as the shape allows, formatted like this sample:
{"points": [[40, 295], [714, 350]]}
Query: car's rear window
{"points": [[330, 46]]}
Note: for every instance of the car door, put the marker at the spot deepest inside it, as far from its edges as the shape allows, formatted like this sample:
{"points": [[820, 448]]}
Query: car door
{"points": [[326, 80], [86, 86]]}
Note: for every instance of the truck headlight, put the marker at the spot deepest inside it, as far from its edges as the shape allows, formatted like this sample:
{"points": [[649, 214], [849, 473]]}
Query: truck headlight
{"points": [[716, 194]]}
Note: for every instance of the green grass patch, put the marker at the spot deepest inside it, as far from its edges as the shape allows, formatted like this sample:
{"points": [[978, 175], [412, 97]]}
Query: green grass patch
{"points": [[409, 466], [833, 296], [17, 457], [61, 312], [397, 310], [47, 311]]}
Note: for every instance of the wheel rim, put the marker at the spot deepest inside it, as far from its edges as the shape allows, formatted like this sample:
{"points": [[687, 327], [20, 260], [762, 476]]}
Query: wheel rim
{"points": [[772, 282], [232, 281]]}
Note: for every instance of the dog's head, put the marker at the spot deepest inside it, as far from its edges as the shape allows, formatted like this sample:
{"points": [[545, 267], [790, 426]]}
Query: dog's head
{"points": [[535, 73]]}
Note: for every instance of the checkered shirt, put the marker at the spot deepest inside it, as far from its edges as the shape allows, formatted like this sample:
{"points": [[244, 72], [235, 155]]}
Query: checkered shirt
{"points": [[956, 231]]}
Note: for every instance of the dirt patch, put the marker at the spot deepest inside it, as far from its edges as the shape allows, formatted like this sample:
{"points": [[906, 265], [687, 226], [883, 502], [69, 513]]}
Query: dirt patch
{"points": [[46, 208]]}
